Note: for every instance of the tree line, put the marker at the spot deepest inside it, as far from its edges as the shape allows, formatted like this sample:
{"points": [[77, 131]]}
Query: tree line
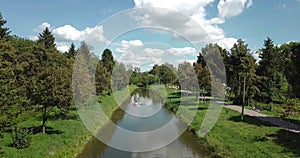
{"points": [[35, 76]]}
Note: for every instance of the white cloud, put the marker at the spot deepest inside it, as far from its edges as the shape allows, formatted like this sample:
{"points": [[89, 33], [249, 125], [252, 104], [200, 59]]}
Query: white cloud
{"points": [[62, 48], [190, 19], [34, 38], [66, 34], [231, 8], [128, 46], [249, 4], [136, 53], [42, 27], [69, 33], [182, 51]]}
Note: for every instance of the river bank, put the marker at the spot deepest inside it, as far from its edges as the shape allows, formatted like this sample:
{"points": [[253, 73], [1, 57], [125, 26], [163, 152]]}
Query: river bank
{"points": [[64, 138], [231, 137]]}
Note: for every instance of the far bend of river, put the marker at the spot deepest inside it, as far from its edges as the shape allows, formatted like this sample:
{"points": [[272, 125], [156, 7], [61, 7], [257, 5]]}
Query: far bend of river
{"points": [[186, 146]]}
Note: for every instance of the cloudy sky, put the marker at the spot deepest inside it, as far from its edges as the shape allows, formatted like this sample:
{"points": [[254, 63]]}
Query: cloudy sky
{"points": [[173, 31]]}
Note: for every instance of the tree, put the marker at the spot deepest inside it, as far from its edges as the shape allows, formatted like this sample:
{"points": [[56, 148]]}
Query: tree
{"points": [[71, 53], [290, 108], [242, 68], [119, 79], [187, 77], [291, 66], [102, 79], [271, 68], [13, 92], [52, 87], [108, 60], [167, 73], [83, 76], [4, 32], [46, 39]]}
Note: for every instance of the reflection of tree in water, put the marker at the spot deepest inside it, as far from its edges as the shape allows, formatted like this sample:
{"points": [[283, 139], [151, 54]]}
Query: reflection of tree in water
{"points": [[95, 147], [146, 94]]}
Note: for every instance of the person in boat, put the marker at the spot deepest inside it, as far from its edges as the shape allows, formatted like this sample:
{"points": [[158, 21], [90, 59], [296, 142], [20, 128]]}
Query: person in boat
{"points": [[135, 100]]}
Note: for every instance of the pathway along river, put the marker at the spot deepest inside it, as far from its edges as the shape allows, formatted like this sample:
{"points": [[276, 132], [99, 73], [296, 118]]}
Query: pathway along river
{"points": [[186, 146]]}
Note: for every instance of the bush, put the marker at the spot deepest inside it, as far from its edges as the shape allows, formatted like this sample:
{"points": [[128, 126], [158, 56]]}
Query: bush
{"points": [[21, 137]]}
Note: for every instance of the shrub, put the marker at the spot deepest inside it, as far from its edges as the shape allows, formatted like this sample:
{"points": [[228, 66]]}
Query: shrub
{"points": [[21, 137]]}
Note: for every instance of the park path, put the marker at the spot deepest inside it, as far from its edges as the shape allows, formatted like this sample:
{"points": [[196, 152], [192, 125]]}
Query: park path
{"points": [[275, 121]]}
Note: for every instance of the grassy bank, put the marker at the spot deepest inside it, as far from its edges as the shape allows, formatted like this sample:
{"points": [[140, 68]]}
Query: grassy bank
{"points": [[232, 138], [64, 138]]}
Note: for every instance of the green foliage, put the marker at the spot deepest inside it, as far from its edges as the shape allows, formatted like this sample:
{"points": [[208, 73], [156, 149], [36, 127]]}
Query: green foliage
{"points": [[13, 92], [108, 60], [4, 32], [242, 68], [290, 108], [46, 39], [187, 77], [119, 77], [21, 138]]}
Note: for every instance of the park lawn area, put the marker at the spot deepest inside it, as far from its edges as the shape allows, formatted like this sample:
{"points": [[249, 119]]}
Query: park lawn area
{"points": [[276, 111], [64, 138], [231, 137]]}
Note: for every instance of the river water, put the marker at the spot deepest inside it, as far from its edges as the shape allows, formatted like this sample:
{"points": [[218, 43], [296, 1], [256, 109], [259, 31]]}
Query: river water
{"points": [[147, 115]]}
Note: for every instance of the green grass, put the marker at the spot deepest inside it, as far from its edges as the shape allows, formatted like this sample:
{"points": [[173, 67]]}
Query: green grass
{"points": [[65, 138], [232, 138], [275, 111]]}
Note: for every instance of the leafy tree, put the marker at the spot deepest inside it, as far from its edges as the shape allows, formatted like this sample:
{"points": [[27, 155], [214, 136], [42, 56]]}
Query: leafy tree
{"points": [[291, 65], [290, 108], [187, 77], [167, 73]]}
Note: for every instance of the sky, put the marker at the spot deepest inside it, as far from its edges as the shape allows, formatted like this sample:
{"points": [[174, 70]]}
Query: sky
{"points": [[147, 32]]}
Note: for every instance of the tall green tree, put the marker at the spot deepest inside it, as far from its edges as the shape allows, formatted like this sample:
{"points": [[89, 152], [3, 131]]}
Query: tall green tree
{"points": [[108, 60], [187, 77], [12, 90], [271, 69], [242, 69], [119, 79], [102, 79], [46, 39], [291, 65], [51, 83], [4, 31], [71, 53]]}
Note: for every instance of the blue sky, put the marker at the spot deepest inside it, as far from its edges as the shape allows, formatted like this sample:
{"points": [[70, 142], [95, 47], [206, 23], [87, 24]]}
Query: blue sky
{"points": [[93, 20]]}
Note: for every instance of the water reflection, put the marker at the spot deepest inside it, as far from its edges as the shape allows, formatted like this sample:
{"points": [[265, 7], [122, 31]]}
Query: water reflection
{"points": [[185, 146]]}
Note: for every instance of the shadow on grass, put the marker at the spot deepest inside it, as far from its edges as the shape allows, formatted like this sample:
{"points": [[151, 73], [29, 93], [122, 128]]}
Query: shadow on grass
{"points": [[287, 139], [49, 130], [199, 108], [174, 95], [250, 120]]}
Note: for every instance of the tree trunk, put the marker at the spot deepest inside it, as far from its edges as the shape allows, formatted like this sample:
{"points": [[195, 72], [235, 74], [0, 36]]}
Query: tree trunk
{"points": [[44, 120]]}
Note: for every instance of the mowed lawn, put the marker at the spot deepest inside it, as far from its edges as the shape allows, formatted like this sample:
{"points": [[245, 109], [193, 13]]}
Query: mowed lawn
{"points": [[63, 138], [231, 137]]}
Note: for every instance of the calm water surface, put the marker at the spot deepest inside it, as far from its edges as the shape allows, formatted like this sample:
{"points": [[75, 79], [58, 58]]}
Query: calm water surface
{"points": [[148, 114]]}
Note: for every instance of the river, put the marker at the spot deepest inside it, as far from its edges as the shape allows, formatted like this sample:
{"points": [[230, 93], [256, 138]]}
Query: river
{"points": [[137, 117]]}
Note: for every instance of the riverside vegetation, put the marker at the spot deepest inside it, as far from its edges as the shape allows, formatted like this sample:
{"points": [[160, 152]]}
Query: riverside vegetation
{"points": [[38, 116]]}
